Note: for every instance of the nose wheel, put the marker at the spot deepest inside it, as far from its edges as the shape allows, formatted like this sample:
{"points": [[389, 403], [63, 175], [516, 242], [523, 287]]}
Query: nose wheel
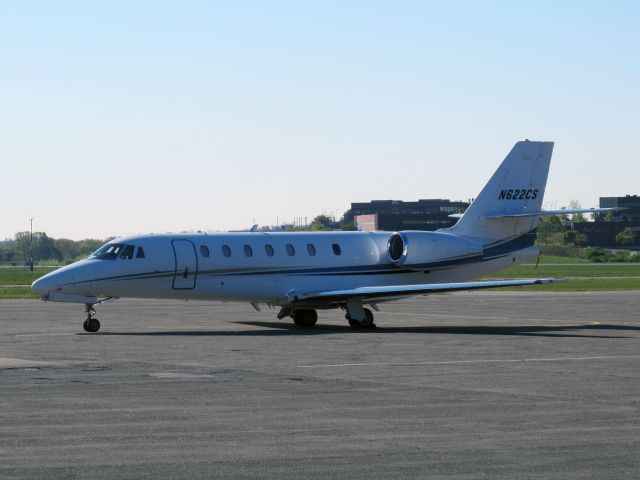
{"points": [[91, 324]]}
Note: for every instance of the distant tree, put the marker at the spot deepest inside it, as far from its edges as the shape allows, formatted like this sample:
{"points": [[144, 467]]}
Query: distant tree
{"points": [[620, 256], [581, 239], [626, 237], [322, 222], [576, 217], [574, 238], [67, 248], [87, 246], [608, 217], [569, 238], [547, 227], [46, 248], [346, 222], [597, 254]]}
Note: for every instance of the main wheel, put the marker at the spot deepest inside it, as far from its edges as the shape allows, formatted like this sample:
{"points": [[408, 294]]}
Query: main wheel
{"points": [[91, 325], [305, 318], [366, 323]]}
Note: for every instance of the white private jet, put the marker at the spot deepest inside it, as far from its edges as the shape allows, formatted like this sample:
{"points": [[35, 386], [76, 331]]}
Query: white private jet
{"points": [[301, 273]]}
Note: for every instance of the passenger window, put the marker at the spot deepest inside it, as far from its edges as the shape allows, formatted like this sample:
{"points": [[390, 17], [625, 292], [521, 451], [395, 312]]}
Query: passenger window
{"points": [[140, 253], [248, 251], [269, 250], [311, 249], [226, 250], [336, 249], [204, 250], [290, 250], [127, 252]]}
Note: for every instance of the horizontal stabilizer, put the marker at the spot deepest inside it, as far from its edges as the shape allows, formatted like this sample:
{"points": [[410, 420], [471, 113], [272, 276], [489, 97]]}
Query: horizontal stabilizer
{"points": [[541, 213]]}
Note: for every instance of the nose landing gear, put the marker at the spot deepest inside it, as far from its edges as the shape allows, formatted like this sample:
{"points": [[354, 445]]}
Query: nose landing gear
{"points": [[91, 325]]}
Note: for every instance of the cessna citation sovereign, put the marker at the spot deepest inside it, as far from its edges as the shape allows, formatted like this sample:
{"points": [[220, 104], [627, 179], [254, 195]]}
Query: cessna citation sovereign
{"points": [[300, 273]]}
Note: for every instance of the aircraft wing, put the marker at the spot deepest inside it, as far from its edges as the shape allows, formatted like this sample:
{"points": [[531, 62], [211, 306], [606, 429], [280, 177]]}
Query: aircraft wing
{"points": [[372, 294]]}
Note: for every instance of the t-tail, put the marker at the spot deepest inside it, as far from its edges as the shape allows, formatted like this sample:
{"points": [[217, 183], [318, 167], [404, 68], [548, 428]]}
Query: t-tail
{"points": [[509, 205]]}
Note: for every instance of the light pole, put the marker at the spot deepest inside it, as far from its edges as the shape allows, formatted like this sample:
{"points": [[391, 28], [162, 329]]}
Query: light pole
{"points": [[31, 245]]}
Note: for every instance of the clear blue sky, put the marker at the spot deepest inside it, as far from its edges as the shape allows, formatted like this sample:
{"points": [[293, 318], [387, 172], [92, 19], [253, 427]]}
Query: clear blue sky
{"points": [[135, 117]]}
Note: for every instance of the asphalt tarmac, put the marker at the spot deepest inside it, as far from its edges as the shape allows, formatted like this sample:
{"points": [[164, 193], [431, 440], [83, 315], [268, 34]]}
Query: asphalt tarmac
{"points": [[464, 386]]}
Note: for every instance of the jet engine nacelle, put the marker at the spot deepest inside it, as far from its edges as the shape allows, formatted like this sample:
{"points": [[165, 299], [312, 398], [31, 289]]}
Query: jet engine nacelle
{"points": [[419, 250]]}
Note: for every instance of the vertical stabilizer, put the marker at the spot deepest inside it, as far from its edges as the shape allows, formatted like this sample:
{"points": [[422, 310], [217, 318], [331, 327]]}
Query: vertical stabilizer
{"points": [[516, 187]]}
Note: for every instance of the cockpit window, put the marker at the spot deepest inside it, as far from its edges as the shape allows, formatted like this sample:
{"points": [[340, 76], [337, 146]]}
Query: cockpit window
{"points": [[110, 251], [127, 252]]}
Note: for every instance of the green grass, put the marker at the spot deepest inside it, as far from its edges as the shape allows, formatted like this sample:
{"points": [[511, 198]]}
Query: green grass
{"points": [[578, 275], [584, 285], [558, 259], [22, 276], [18, 292], [581, 270]]}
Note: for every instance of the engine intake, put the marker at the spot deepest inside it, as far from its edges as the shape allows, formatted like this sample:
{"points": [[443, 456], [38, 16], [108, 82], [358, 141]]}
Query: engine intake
{"points": [[419, 250], [396, 247]]}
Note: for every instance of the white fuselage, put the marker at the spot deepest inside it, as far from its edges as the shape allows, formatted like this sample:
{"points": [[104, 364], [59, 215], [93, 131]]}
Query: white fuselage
{"points": [[259, 267]]}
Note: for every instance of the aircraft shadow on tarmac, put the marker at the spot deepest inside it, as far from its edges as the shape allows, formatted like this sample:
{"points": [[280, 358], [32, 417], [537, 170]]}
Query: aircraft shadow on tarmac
{"points": [[286, 328]]}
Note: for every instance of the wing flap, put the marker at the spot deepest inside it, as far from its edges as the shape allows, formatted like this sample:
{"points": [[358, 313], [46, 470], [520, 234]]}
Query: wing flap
{"points": [[391, 291]]}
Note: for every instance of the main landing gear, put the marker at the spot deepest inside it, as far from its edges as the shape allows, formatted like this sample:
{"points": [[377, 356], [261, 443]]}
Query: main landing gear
{"points": [[304, 318], [366, 323], [357, 316], [91, 325]]}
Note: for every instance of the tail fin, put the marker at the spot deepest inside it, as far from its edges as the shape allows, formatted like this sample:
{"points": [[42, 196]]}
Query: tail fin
{"points": [[516, 187]]}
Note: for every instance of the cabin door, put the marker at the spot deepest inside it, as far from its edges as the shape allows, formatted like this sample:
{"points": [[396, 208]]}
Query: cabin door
{"points": [[186, 265]]}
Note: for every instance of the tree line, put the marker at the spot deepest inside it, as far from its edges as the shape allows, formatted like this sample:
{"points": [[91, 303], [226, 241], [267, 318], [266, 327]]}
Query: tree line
{"points": [[551, 231], [48, 250], [17, 251]]}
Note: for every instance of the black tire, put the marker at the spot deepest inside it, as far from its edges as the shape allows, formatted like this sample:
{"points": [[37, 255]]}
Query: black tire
{"points": [[367, 323], [311, 318], [93, 325], [305, 318], [85, 325], [352, 323]]}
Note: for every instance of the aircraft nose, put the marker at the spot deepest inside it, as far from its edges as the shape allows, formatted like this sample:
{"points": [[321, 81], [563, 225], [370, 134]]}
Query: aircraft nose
{"points": [[43, 285]]}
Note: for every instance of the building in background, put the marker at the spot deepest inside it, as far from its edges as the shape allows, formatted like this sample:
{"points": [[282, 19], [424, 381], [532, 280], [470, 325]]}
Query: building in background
{"points": [[630, 203], [393, 215], [603, 231]]}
